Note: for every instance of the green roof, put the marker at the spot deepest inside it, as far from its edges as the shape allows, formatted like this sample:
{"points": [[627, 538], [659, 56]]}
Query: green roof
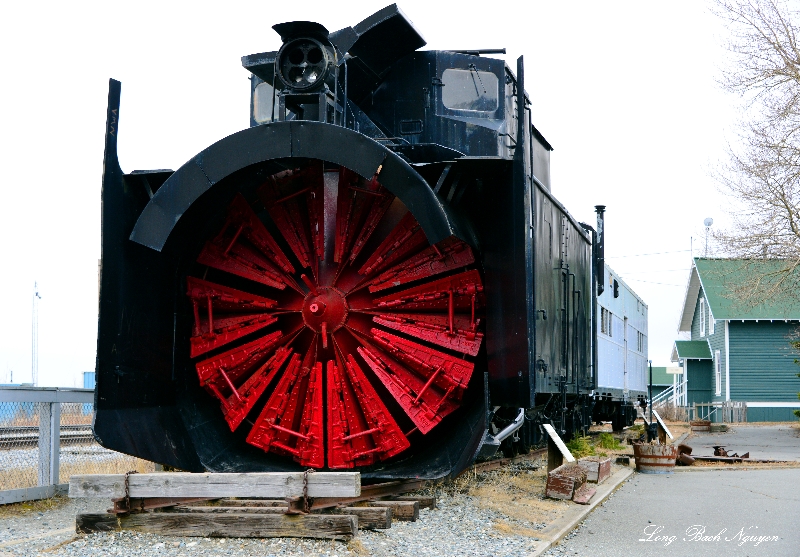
{"points": [[660, 376], [692, 349], [743, 289]]}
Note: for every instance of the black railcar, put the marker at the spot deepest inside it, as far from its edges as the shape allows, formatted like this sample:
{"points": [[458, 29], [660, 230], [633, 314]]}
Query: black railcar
{"points": [[374, 275]]}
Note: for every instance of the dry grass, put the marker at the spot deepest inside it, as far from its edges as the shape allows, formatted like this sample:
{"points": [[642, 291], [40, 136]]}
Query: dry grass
{"points": [[357, 546], [21, 477], [517, 492], [119, 465], [27, 507], [18, 478]]}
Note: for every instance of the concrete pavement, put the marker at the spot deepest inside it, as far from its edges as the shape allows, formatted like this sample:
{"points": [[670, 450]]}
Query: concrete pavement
{"points": [[778, 442], [711, 513]]}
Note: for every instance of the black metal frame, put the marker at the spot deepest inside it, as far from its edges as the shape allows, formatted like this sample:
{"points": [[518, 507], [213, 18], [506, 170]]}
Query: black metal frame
{"points": [[489, 187]]}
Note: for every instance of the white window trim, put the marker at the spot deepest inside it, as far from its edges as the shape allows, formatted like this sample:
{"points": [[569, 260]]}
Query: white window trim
{"points": [[727, 364], [718, 373], [702, 317], [711, 323]]}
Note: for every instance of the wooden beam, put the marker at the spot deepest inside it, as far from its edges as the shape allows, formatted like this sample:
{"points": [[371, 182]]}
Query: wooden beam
{"points": [[370, 492], [276, 485], [424, 502], [401, 510], [251, 503], [369, 518], [557, 451], [228, 510], [330, 526]]}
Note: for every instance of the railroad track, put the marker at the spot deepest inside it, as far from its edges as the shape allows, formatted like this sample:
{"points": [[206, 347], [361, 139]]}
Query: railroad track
{"points": [[24, 436], [387, 489], [498, 463]]}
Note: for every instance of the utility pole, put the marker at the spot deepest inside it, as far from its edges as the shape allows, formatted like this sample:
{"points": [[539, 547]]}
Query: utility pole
{"points": [[35, 336]]}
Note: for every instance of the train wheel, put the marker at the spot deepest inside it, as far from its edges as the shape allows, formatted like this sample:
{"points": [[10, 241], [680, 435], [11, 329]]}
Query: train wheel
{"points": [[322, 314]]}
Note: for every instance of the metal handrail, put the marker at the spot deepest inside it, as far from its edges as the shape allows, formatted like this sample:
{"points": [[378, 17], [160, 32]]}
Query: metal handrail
{"points": [[45, 394]]}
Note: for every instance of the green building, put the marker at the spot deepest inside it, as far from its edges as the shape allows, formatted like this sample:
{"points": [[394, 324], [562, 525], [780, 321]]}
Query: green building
{"points": [[663, 378], [739, 350]]}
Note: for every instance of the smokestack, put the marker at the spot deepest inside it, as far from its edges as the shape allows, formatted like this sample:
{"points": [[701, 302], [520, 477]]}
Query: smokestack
{"points": [[599, 249]]}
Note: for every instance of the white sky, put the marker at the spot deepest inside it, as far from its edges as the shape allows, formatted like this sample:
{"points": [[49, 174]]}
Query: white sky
{"points": [[624, 91]]}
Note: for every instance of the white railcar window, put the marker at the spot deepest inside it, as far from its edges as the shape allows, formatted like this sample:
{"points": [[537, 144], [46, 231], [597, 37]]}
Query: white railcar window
{"points": [[606, 322]]}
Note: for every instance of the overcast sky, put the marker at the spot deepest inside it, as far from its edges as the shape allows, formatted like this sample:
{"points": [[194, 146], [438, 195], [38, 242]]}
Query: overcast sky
{"points": [[624, 91]]}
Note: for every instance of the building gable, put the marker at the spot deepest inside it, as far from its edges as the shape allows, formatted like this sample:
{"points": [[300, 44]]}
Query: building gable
{"points": [[717, 279]]}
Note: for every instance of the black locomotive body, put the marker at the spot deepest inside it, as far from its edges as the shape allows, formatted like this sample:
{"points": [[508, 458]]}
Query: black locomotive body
{"points": [[374, 275]]}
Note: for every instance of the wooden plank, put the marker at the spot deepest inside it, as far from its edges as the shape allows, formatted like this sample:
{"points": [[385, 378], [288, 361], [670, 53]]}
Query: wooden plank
{"points": [[401, 510], [277, 485], [250, 503], [370, 492], [330, 526], [369, 518], [597, 468], [424, 502], [663, 426], [215, 509], [564, 480], [560, 488], [583, 494], [559, 443]]}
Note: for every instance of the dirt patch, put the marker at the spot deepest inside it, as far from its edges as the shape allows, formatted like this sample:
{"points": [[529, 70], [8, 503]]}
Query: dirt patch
{"points": [[516, 493]]}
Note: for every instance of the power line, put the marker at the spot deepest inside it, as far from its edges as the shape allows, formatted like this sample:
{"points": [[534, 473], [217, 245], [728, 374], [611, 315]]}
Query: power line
{"points": [[661, 283], [656, 271], [644, 254]]}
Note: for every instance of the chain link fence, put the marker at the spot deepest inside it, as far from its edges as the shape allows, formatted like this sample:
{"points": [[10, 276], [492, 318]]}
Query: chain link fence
{"points": [[35, 462]]}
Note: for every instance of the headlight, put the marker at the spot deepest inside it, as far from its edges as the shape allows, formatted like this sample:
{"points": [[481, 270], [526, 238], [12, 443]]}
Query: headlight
{"points": [[302, 64]]}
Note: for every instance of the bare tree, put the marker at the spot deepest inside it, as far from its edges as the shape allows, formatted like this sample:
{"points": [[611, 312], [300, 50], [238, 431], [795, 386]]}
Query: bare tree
{"points": [[762, 173]]}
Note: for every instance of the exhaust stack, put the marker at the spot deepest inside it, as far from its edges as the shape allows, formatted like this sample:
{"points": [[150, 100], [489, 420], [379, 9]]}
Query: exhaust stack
{"points": [[599, 250]]}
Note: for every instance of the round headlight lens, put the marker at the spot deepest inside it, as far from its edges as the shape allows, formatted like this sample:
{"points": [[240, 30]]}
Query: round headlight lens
{"points": [[301, 63]]}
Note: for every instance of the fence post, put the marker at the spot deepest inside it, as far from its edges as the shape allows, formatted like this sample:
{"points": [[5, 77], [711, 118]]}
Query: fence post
{"points": [[45, 442], [55, 441]]}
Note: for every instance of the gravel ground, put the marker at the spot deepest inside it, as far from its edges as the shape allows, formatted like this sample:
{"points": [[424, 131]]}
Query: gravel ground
{"points": [[463, 524], [457, 527]]}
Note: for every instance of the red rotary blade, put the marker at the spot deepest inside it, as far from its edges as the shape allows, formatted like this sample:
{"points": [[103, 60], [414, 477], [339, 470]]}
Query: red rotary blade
{"points": [[361, 205], [239, 404], [461, 291], [244, 262], [245, 248], [214, 326], [433, 328], [247, 225], [425, 404], [295, 201], [361, 431], [291, 423], [406, 239], [449, 254], [446, 372], [219, 374]]}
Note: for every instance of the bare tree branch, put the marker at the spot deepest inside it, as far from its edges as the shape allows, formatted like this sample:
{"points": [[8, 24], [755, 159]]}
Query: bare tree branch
{"points": [[762, 173]]}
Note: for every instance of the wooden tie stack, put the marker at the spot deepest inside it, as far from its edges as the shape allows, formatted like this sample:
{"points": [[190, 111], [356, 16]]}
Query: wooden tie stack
{"points": [[254, 505]]}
